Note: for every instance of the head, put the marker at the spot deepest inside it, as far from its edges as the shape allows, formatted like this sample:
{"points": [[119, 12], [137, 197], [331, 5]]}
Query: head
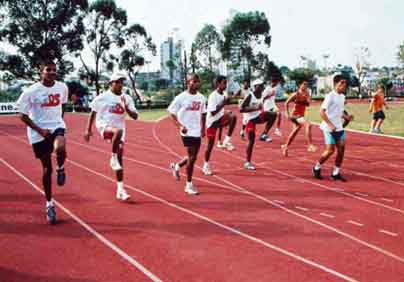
{"points": [[117, 85], [258, 87], [47, 71], [274, 81], [221, 83], [246, 84], [303, 85], [340, 83], [193, 82]]}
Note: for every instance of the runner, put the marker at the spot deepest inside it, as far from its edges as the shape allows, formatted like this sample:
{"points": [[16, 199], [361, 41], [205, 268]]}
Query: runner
{"points": [[268, 100], [376, 108]]}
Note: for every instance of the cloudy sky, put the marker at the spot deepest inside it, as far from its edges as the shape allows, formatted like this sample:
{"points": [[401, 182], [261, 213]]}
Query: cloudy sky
{"points": [[311, 27]]}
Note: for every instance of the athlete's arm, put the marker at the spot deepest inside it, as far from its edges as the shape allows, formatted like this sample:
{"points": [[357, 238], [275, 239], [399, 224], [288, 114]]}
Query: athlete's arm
{"points": [[88, 132], [325, 118], [288, 101], [29, 122], [245, 108], [203, 125], [182, 128]]}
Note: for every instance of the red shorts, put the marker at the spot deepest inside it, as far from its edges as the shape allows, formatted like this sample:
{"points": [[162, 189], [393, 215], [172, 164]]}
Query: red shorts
{"points": [[211, 131], [107, 134], [250, 126]]}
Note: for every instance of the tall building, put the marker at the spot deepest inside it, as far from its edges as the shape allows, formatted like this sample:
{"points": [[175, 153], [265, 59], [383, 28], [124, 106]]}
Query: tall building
{"points": [[171, 53]]}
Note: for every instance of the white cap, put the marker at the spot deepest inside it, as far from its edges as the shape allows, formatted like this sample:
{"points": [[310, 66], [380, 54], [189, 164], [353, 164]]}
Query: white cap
{"points": [[257, 82], [116, 76]]}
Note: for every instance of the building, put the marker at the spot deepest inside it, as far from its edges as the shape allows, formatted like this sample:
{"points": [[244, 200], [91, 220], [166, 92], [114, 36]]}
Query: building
{"points": [[171, 53]]}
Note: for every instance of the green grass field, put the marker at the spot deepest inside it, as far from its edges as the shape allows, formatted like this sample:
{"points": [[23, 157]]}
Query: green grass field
{"points": [[393, 125], [152, 115]]}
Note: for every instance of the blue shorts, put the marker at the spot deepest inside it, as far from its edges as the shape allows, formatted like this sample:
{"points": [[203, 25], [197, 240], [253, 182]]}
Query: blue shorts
{"points": [[331, 138]]}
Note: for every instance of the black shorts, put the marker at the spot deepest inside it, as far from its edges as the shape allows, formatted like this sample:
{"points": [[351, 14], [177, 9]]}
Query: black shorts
{"points": [[218, 123], [45, 147], [379, 115], [191, 141]]}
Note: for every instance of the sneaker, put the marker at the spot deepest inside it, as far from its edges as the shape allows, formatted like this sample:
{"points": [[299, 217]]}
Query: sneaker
{"points": [[317, 173], [51, 214], [278, 132], [60, 176], [338, 177], [114, 163], [378, 131], [265, 138], [228, 146], [311, 148], [284, 150], [191, 190], [249, 166], [206, 170], [176, 172], [220, 145], [242, 134], [122, 195]]}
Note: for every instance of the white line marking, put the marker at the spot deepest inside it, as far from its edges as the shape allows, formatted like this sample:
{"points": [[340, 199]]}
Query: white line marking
{"points": [[388, 232], [301, 208], [91, 230], [279, 202], [327, 215], [355, 223], [230, 229], [387, 200], [361, 194]]}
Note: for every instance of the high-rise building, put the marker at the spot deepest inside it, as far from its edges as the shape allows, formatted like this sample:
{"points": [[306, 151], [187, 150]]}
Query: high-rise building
{"points": [[171, 54]]}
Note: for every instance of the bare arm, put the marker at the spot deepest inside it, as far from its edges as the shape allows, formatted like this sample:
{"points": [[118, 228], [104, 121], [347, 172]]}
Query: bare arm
{"points": [[288, 101], [325, 118], [88, 133], [203, 125], [177, 124], [30, 123], [245, 108]]}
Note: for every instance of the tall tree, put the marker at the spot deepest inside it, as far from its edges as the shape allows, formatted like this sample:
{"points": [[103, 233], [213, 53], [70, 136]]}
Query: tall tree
{"points": [[138, 44], [42, 29], [400, 54], [245, 35], [266, 68], [207, 45], [362, 65], [104, 28]]}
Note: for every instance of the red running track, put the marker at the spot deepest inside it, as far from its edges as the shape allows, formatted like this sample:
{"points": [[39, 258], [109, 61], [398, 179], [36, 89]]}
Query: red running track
{"points": [[275, 224]]}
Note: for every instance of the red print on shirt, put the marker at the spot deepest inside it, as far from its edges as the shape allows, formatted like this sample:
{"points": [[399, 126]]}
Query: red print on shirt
{"points": [[53, 101], [195, 106], [117, 109]]}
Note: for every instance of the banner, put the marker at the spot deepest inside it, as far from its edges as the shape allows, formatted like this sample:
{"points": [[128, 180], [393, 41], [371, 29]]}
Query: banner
{"points": [[8, 108]]}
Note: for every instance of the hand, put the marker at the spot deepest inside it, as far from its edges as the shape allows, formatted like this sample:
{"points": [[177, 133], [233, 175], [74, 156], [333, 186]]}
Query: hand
{"points": [[350, 117], [183, 130], [332, 127], [260, 107], [45, 133], [87, 135]]}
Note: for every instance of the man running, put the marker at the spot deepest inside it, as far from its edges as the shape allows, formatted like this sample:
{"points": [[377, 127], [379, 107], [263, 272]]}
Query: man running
{"points": [[218, 118], [252, 108], [245, 90], [188, 112], [109, 111], [332, 114], [268, 100], [41, 108], [302, 99], [376, 108]]}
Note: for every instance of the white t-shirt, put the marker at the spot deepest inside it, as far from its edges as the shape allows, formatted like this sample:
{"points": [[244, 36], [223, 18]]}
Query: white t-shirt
{"points": [[254, 102], [269, 103], [215, 99], [189, 109], [334, 105], [109, 109], [44, 106]]}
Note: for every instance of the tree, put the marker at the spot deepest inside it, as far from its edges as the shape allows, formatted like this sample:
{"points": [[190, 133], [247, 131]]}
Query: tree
{"points": [[193, 59], [386, 84], [207, 45], [244, 36], [400, 54], [137, 45], [300, 74], [104, 28], [267, 69], [362, 65], [42, 29]]}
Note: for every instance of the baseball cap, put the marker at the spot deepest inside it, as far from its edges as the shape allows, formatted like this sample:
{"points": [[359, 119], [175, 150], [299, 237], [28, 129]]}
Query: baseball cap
{"points": [[116, 76], [257, 82]]}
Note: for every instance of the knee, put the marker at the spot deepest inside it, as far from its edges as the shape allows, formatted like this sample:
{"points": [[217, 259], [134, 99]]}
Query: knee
{"points": [[192, 159], [330, 151], [47, 170], [60, 151]]}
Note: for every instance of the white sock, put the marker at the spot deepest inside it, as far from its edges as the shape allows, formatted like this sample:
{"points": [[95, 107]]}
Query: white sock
{"points": [[49, 203], [336, 170], [59, 167], [205, 164], [177, 166], [115, 156], [226, 139], [189, 184], [119, 185], [317, 166]]}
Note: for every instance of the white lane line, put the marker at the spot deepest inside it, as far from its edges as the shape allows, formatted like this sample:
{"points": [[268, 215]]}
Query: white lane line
{"points": [[279, 202], [355, 223], [301, 208], [91, 230], [387, 200], [388, 232], [327, 215], [361, 194], [230, 229]]}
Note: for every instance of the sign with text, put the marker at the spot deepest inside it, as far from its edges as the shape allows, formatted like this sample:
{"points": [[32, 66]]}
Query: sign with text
{"points": [[8, 108]]}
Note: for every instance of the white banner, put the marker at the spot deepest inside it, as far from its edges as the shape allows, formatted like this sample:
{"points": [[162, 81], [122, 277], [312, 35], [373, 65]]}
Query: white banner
{"points": [[8, 108]]}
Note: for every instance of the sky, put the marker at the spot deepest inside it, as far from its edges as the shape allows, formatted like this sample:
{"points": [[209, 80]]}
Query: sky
{"points": [[309, 28]]}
